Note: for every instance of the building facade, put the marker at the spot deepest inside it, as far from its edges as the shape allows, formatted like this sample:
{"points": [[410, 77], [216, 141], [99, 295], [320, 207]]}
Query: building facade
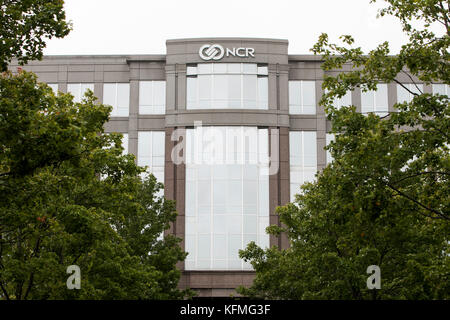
{"points": [[231, 126]]}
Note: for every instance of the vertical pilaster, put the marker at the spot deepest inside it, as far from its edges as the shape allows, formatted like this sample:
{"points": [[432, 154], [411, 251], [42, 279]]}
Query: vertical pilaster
{"points": [[392, 96], [284, 194], [133, 118]]}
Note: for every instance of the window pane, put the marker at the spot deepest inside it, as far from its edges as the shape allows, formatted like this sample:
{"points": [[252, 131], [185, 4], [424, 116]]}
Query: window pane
{"points": [[367, 101], [158, 143], [234, 91], [310, 150], [249, 87], [345, 100], [250, 68], [329, 138], [294, 97], [145, 93], [231, 199], [85, 87], [309, 96], [295, 147], [205, 90], [220, 68], [232, 85], [191, 93], [416, 88], [440, 89], [263, 71], [234, 67], [204, 68], [74, 89], [220, 91], [220, 246], [54, 87], [109, 94], [381, 98], [125, 143], [191, 70], [303, 159], [263, 92], [204, 247], [123, 95], [151, 153], [159, 93]]}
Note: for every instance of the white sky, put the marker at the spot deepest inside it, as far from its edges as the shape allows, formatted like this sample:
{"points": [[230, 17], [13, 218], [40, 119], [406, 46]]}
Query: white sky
{"points": [[143, 26]]}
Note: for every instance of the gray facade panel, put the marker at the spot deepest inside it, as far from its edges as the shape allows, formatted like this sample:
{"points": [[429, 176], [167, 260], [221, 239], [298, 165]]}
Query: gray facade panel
{"points": [[172, 68]]}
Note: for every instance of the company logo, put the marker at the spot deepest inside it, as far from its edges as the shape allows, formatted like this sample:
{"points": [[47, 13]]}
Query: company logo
{"points": [[217, 52], [211, 52]]}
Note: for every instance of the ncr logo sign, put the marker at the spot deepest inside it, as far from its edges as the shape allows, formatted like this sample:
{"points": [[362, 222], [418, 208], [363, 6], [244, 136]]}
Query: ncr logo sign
{"points": [[217, 52]]}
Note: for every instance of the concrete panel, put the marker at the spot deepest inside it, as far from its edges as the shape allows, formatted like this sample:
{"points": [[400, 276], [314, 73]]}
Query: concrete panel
{"points": [[273, 83], [151, 123], [303, 123], [81, 68], [321, 153], [41, 68], [78, 77], [116, 77], [283, 91], [152, 74], [116, 67], [319, 92], [48, 77], [226, 117], [392, 96], [180, 77], [98, 91], [356, 99], [118, 124], [218, 279]]}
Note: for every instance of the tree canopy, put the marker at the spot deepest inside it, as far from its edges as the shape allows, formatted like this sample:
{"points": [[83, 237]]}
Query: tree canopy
{"points": [[25, 25], [384, 199], [69, 196]]}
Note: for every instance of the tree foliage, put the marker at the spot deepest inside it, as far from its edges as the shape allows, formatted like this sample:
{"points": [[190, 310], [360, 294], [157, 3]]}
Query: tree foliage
{"points": [[69, 196], [384, 200], [24, 26]]}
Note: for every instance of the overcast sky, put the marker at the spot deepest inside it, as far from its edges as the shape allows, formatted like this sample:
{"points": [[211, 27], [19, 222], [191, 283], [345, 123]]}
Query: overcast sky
{"points": [[143, 26]]}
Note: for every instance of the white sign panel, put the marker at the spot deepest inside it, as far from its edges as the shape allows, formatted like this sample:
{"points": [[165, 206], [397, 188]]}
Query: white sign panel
{"points": [[217, 52]]}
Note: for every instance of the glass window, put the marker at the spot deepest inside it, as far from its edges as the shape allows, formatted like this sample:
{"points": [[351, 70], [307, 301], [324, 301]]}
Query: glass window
{"points": [[329, 138], [78, 90], [152, 97], [151, 151], [227, 86], [345, 100], [227, 200], [191, 70], [302, 97], [303, 159], [54, 87], [375, 100], [442, 89], [406, 92], [125, 143], [117, 95]]}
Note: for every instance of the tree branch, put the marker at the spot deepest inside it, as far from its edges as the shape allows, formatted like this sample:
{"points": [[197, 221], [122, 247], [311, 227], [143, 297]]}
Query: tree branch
{"points": [[4, 291], [421, 173], [30, 282], [398, 82], [440, 214], [412, 80]]}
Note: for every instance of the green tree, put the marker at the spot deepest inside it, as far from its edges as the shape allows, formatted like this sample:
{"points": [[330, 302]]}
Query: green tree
{"points": [[24, 26], [69, 196], [384, 200]]}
